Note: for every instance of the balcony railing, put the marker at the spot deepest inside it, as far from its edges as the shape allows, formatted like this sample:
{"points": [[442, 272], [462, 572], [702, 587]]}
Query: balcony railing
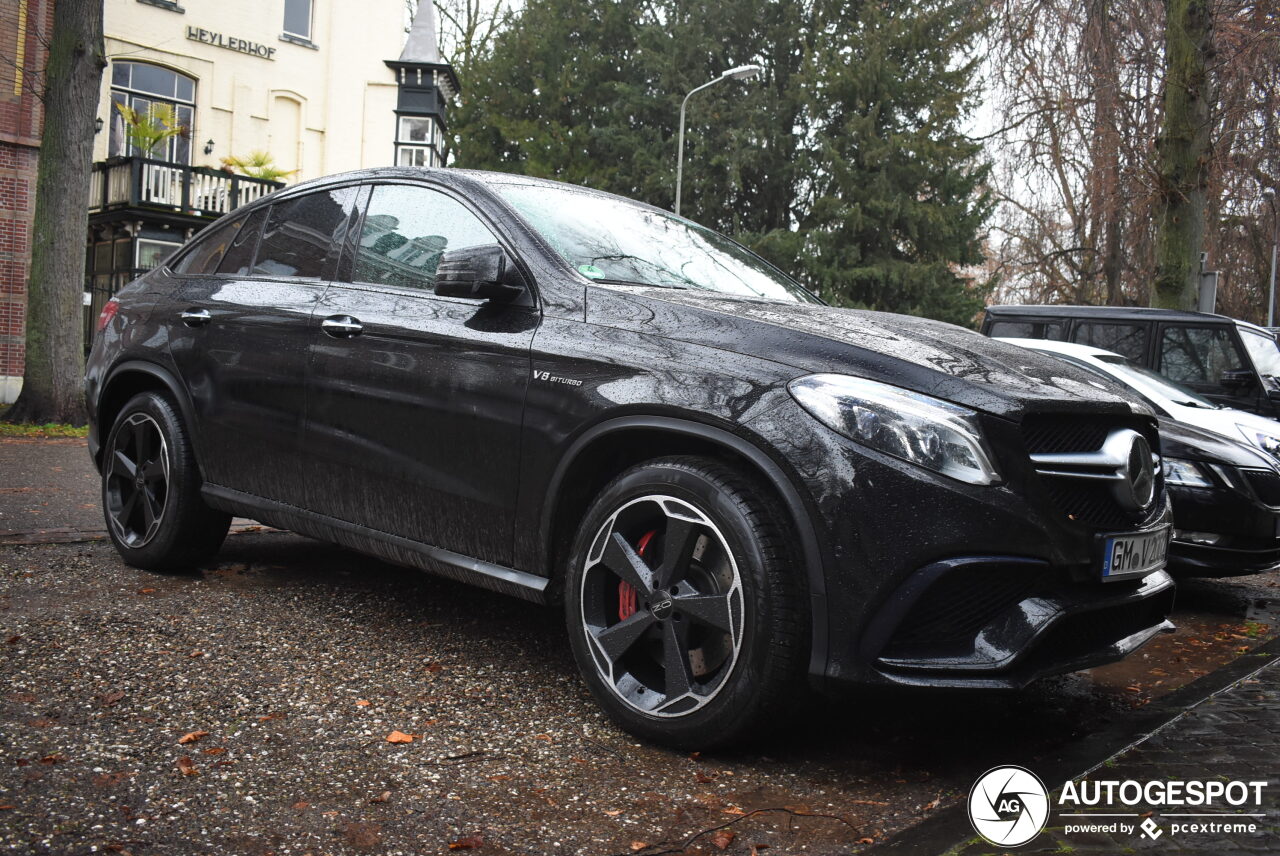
{"points": [[135, 182]]}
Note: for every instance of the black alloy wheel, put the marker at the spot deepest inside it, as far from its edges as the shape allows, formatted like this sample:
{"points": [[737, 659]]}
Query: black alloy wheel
{"points": [[137, 480], [662, 605], [684, 604], [151, 489]]}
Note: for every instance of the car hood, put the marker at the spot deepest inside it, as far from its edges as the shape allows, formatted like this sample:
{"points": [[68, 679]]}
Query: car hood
{"points": [[1180, 440], [926, 356], [1223, 420]]}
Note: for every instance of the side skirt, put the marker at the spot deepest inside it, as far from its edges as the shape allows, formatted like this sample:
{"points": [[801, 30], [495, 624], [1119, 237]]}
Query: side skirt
{"points": [[384, 545]]}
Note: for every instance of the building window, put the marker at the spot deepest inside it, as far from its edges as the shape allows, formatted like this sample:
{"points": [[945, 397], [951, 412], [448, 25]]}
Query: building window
{"points": [[297, 19], [418, 142], [158, 96]]}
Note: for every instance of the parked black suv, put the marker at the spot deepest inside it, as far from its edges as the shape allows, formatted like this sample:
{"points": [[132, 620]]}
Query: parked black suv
{"points": [[1233, 363], [571, 397]]}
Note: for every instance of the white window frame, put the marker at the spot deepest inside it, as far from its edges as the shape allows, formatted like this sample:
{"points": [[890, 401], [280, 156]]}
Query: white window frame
{"points": [[311, 22]]}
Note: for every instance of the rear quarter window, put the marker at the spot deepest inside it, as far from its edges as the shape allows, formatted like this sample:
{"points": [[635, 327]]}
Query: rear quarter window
{"points": [[205, 256]]}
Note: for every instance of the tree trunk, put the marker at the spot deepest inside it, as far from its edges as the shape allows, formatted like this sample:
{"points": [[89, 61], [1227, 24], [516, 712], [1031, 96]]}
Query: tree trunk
{"points": [[53, 380], [1183, 154]]}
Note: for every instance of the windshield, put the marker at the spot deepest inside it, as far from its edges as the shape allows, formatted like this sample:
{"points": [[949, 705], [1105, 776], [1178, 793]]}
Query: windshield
{"points": [[612, 240], [1154, 384], [1262, 351]]}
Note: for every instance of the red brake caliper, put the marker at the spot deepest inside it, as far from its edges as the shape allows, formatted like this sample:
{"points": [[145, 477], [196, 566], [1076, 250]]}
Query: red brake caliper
{"points": [[627, 592]]}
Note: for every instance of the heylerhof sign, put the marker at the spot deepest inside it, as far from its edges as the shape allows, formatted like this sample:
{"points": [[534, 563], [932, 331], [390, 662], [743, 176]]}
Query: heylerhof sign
{"points": [[231, 43]]}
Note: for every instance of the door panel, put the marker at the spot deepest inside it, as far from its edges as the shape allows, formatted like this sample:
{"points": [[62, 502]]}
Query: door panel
{"points": [[415, 401], [413, 425], [243, 339]]}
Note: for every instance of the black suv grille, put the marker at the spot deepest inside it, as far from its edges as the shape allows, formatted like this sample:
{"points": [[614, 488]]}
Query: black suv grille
{"points": [[1265, 484], [1088, 502]]}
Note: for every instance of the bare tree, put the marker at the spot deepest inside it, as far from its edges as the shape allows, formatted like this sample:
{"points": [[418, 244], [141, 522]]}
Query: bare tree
{"points": [[1081, 90], [52, 385], [467, 27]]}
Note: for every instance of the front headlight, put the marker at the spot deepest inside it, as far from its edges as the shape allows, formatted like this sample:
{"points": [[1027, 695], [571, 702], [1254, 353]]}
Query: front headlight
{"points": [[1268, 443], [1185, 473], [934, 434]]}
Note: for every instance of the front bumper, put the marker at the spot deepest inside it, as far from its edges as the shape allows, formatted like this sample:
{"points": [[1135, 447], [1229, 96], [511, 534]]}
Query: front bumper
{"points": [[930, 581], [1018, 623], [1243, 532]]}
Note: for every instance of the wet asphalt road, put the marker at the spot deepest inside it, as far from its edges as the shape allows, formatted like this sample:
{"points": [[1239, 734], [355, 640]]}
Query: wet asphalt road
{"points": [[299, 659]]}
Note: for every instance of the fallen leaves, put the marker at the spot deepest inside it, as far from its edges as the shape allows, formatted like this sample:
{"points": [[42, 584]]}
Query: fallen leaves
{"points": [[187, 767], [192, 737], [399, 737], [13, 640], [301, 804], [215, 750], [468, 842], [111, 698], [53, 758], [637, 846], [722, 839], [612, 812], [362, 703], [381, 798]]}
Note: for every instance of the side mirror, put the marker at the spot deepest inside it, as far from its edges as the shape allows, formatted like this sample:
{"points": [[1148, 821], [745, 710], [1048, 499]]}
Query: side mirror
{"points": [[484, 272], [1237, 380]]}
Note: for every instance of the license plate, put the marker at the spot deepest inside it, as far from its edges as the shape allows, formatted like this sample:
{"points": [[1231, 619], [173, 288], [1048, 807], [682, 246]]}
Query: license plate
{"points": [[1128, 556]]}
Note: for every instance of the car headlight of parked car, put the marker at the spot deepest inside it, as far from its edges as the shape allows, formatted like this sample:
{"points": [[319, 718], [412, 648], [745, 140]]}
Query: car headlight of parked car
{"points": [[931, 433], [1185, 473], [1268, 443]]}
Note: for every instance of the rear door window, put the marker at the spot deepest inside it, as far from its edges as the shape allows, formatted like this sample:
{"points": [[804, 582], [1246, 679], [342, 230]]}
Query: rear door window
{"points": [[303, 236], [1198, 355], [1128, 340]]}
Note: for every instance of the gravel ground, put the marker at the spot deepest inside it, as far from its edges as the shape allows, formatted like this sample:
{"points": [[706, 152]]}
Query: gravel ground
{"points": [[286, 664]]}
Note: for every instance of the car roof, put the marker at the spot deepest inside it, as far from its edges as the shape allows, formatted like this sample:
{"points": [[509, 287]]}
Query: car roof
{"points": [[1056, 347], [450, 176], [1125, 313]]}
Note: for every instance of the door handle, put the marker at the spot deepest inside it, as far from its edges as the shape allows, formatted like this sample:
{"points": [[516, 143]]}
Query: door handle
{"points": [[341, 326], [196, 317]]}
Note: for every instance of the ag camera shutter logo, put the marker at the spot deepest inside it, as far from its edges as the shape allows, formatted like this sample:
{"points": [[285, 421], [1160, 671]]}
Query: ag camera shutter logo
{"points": [[1008, 806]]}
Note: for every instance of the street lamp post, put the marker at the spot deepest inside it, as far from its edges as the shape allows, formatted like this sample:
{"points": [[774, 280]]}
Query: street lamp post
{"points": [[1270, 193], [739, 73]]}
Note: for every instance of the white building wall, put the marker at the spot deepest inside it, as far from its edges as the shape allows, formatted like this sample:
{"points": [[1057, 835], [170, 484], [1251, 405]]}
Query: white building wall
{"points": [[321, 110]]}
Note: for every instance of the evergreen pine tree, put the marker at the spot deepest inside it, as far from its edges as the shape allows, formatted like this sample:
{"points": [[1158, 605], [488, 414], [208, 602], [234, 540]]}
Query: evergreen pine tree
{"points": [[844, 164]]}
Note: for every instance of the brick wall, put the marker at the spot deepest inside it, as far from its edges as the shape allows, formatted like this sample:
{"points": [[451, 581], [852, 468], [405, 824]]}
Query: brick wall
{"points": [[24, 25]]}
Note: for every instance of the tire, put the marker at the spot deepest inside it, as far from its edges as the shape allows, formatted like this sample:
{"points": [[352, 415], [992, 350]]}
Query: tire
{"points": [[154, 512], [685, 606]]}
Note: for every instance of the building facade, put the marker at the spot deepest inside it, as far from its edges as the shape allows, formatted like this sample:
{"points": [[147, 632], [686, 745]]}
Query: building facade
{"points": [[302, 88], [22, 25]]}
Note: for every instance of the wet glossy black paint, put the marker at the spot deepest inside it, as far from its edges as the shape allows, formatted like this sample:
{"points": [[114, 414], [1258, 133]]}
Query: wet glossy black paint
{"points": [[446, 433], [1248, 527]]}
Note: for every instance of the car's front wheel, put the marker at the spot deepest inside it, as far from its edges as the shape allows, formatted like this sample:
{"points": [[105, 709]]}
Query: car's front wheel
{"points": [[684, 604], [151, 489]]}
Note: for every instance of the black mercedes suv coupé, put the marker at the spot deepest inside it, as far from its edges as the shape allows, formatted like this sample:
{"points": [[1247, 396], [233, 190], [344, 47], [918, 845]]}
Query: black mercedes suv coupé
{"points": [[574, 398]]}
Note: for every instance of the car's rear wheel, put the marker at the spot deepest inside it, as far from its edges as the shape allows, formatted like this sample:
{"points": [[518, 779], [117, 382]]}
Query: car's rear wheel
{"points": [[684, 605], [151, 489]]}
